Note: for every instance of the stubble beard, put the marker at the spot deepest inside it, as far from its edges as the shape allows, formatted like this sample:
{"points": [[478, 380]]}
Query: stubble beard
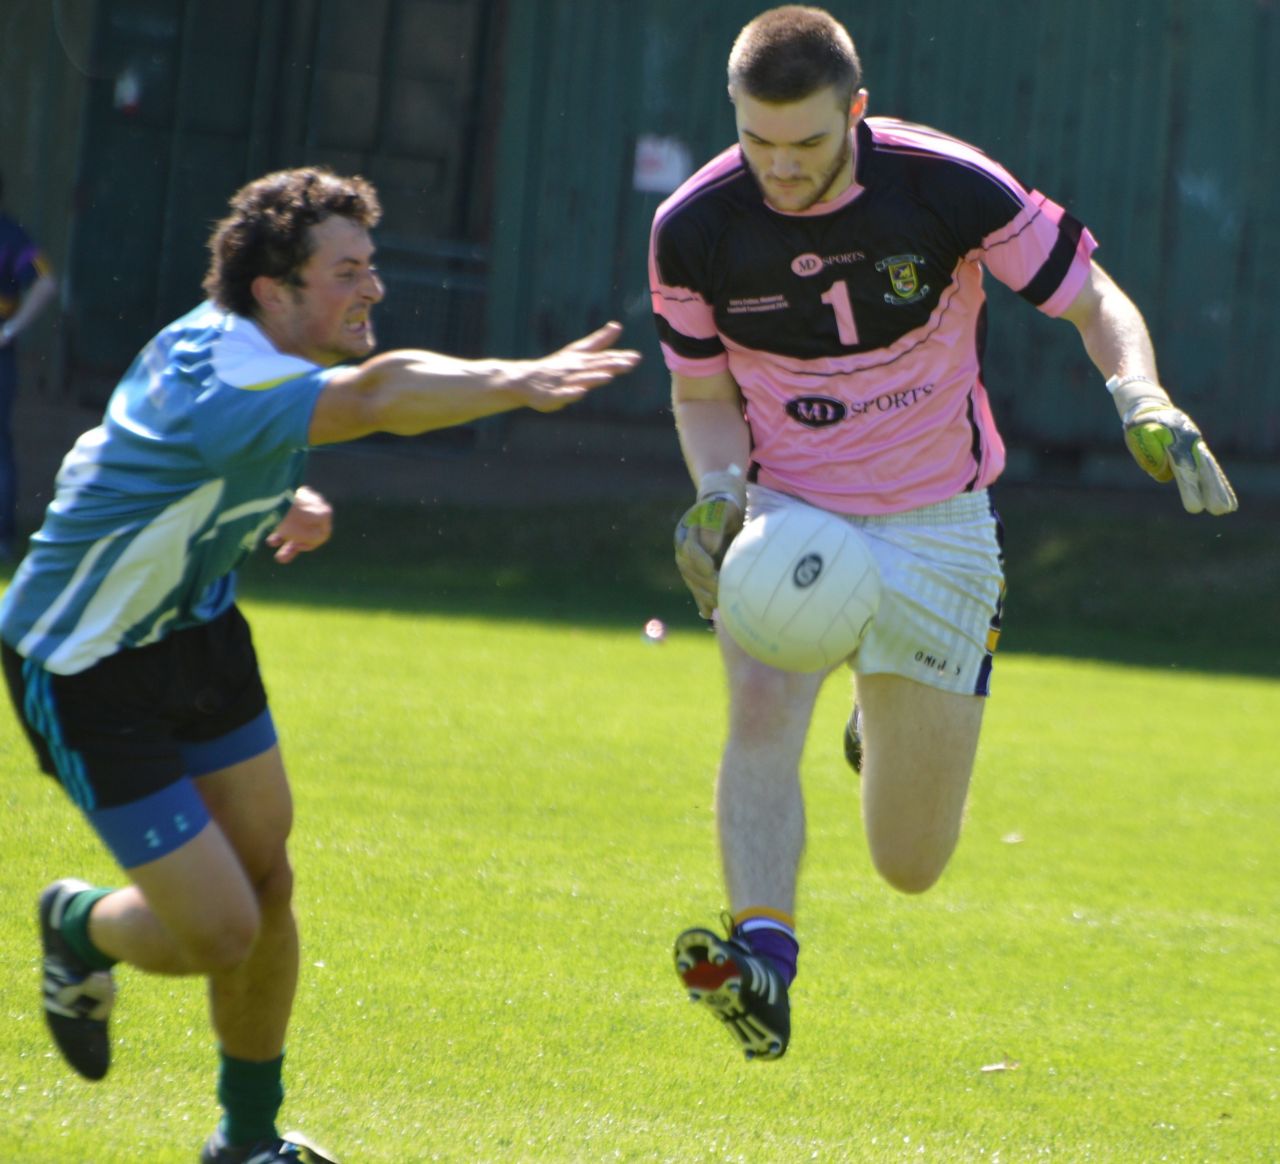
{"points": [[821, 186]]}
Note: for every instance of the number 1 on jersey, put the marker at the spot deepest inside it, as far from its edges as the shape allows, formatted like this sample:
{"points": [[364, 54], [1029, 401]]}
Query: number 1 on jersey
{"points": [[837, 298]]}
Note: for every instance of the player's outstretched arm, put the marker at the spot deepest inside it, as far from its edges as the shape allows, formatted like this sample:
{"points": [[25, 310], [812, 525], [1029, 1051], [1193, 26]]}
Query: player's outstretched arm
{"points": [[1162, 438], [408, 392]]}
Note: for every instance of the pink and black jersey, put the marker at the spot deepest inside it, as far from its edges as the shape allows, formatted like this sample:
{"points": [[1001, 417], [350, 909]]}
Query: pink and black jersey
{"points": [[855, 329]]}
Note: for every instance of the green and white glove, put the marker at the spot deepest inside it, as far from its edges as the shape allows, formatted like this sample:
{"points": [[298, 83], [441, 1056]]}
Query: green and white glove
{"points": [[1168, 446], [705, 531]]}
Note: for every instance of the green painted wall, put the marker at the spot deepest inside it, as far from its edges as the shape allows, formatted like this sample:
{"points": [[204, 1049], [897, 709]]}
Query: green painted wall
{"points": [[1154, 121]]}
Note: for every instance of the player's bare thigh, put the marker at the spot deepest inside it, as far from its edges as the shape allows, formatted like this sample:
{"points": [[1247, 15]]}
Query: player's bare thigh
{"points": [[191, 911], [919, 745], [253, 806], [198, 908]]}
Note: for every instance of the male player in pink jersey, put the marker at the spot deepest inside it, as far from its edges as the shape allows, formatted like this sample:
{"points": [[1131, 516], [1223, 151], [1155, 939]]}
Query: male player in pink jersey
{"points": [[818, 294]]}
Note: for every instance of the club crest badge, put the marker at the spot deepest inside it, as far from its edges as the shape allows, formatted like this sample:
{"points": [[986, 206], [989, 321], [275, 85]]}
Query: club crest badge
{"points": [[904, 278]]}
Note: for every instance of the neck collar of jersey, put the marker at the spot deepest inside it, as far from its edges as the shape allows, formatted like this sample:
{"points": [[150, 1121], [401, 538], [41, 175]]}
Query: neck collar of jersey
{"points": [[247, 358]]}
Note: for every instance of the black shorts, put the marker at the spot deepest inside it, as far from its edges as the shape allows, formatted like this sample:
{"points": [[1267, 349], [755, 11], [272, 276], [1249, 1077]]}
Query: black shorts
{"points": [[143, 719]]}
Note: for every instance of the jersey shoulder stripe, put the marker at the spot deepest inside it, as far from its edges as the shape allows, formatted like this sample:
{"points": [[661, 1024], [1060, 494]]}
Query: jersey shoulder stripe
{"points": [[889, 137], [722, 170]]}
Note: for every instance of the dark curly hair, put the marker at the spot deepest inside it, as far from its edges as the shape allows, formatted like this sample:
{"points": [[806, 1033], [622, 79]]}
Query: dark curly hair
{"points": [[267, 232], [789, 53]]}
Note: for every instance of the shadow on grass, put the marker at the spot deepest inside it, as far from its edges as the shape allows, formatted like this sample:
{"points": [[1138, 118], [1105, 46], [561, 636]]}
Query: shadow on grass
{"points": [[603, 564], [1124, 577], [1128, 578]]}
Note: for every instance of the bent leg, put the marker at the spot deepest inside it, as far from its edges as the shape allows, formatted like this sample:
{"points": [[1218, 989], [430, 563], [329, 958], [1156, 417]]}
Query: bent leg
{"points": [[221, 906], [250, 1003], [759, 805], [919, 747], [188, 912]]}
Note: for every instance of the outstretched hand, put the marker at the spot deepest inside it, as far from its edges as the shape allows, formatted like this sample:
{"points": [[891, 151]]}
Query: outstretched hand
{"points": [[567, 375]]}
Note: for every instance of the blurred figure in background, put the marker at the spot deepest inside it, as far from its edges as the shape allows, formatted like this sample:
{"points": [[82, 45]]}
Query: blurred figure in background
{"points": [[27, 287]]}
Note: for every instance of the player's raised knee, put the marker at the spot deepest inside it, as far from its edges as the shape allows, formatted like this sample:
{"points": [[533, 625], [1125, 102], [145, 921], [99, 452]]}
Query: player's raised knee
{"points": [[910, 872]]}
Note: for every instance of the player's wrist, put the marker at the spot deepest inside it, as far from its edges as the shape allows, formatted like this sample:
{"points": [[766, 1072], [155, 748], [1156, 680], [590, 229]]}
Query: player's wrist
{"points": [[728, 483], [1129, 393], [512, 383], [1154, 409]]}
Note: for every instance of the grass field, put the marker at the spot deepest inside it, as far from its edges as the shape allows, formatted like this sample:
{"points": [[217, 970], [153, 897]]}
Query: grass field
{"points": [[504, 816]]}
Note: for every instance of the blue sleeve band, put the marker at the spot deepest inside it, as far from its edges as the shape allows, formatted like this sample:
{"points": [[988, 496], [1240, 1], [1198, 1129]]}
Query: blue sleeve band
{"points": [[147, 829]]}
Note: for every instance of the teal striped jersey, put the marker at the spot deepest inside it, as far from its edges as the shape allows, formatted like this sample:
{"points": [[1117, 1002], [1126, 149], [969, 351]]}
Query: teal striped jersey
{"points": [[196, 460]]}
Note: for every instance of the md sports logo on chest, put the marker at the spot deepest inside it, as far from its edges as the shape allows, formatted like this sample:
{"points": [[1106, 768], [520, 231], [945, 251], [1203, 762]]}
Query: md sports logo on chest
{"points": [[810, 264], [816, 411], [821, 411]]}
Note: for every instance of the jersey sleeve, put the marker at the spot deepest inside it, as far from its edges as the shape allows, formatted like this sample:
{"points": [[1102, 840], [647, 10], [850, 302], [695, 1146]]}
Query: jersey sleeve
{"points": [[260, 421], [1028, 242], [1041, 252], [257, 401], [678, 285]]}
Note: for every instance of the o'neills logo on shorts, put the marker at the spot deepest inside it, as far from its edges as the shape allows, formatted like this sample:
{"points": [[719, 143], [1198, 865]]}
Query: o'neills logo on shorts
{"points": [[810, 264]]}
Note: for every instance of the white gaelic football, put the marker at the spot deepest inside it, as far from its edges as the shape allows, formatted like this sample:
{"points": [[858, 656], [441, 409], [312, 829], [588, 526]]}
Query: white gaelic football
{"points": [[798, 588]]}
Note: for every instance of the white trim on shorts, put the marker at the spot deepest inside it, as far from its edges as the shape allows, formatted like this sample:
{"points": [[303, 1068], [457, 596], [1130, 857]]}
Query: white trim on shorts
{"points": [[942, 586]]}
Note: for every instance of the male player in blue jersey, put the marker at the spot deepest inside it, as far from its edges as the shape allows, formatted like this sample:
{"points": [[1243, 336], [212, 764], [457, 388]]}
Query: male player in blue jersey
{"points": [[129, 664]]}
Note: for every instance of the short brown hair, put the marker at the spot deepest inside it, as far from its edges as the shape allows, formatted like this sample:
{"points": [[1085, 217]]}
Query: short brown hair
{"points": [[790, 53], [267, 231]]}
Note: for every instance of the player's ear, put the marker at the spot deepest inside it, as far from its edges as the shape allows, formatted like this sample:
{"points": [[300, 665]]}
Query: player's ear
{"points": [[858, 107], [268, 293]]}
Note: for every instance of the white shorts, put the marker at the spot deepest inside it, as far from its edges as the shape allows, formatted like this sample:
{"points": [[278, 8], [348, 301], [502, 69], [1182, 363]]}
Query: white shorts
{"points": [[942, 586]]}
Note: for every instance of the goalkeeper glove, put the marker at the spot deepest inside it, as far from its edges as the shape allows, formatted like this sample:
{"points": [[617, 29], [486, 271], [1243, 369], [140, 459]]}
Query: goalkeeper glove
{"points": [[1166, 443], [705, 531]]}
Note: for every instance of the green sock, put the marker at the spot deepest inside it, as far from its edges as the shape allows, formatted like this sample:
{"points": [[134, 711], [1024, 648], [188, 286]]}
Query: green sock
{"points": [[75, 929], [251, 1095]]}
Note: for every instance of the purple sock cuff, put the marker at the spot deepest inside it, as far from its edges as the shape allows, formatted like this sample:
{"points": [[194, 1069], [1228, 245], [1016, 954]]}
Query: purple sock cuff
{"points": [[778, 946]]}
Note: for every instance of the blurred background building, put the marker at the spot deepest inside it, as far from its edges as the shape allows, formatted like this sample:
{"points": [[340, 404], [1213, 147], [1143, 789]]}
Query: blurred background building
{"points": [[522, 146]]}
